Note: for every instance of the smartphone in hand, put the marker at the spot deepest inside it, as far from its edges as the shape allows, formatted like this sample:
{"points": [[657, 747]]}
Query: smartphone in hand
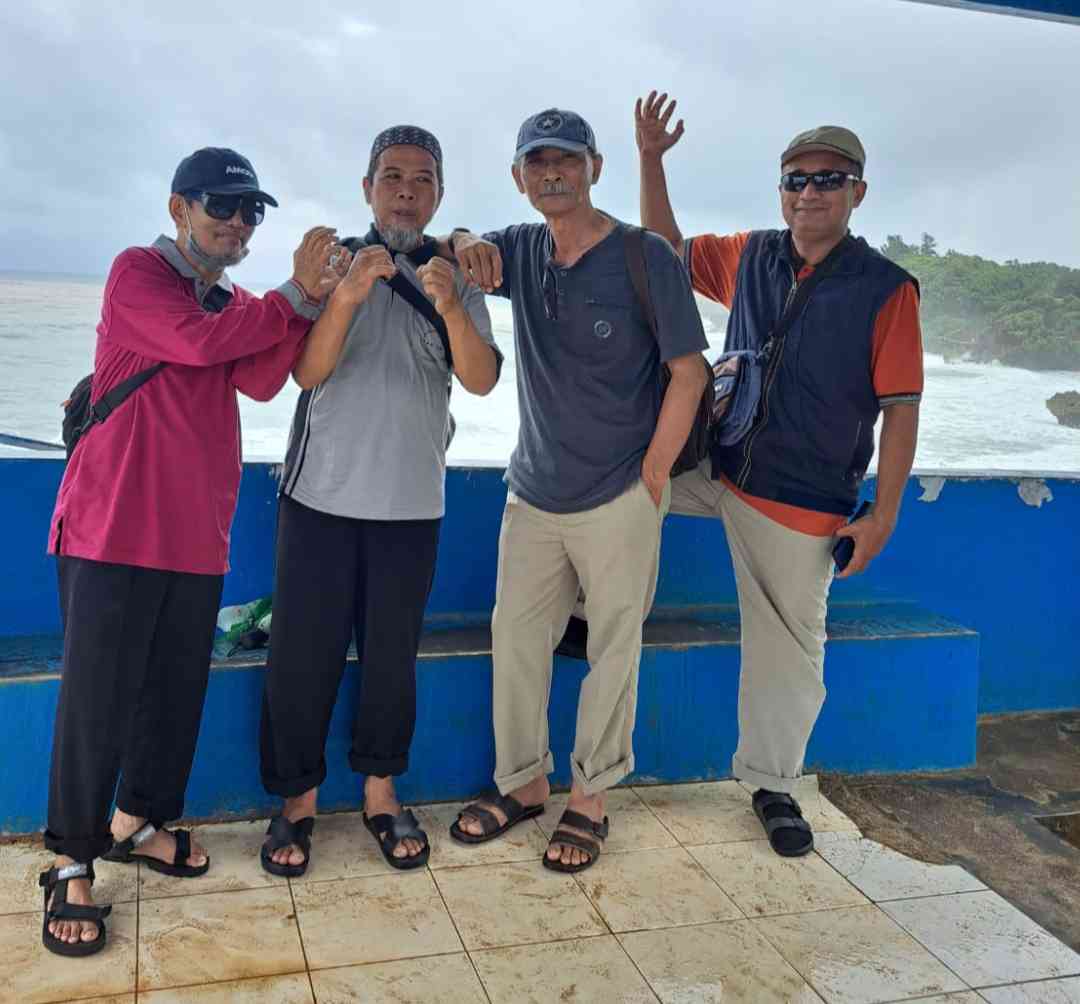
{"points": [[845, 546]]}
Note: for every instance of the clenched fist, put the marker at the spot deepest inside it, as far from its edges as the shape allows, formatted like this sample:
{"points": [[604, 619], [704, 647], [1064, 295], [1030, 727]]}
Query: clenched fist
{"points": [[479, 259], [437, 278], [368, 264]]}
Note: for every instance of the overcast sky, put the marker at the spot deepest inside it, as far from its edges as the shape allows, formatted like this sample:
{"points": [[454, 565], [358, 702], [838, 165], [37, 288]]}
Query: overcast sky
{"points": [[969, 119]]}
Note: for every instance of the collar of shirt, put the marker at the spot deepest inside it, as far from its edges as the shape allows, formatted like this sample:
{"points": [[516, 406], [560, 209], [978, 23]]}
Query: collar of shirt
{"points": [[171, 253]]}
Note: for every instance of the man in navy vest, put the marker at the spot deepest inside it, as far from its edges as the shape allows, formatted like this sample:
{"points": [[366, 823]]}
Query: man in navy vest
{"points": [[786, 488]]}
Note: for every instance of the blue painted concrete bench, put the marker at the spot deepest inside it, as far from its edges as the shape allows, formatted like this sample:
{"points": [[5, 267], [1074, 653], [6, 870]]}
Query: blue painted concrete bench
{"points": [[903, 695]]}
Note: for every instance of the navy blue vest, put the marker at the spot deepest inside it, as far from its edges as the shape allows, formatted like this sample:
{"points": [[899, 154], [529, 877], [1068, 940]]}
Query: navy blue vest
{"points": [[813, 436]]}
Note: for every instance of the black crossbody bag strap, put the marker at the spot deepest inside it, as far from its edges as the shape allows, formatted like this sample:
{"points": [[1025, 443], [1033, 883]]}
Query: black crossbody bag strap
{"points": [[416, 299], [422, 305], [635, 259], [109, 402]]}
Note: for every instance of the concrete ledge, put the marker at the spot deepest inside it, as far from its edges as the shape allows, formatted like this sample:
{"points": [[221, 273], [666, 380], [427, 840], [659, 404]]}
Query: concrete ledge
{"points": [[903, 692]]}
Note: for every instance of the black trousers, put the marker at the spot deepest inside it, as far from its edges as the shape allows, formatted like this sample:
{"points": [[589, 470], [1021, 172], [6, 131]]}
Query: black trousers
{"points": [[136, 662], [337, 576]]}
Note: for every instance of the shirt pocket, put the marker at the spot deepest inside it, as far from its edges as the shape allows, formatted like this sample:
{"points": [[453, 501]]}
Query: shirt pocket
{"points": [[606, 330], [426, 342]]}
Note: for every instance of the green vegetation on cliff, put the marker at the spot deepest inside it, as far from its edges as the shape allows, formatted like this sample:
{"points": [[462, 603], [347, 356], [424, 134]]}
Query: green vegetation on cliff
{"points": [[1023, 314]]}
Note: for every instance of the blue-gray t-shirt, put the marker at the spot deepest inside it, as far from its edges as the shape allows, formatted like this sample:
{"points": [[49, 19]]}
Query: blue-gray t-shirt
{"points": [[588, 366]]}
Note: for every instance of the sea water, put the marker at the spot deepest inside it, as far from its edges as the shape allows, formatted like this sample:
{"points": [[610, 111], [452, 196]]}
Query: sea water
{"points": [[973, 416]]}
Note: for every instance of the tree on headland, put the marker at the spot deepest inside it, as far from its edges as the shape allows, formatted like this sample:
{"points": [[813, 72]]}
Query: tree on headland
{"points": [[1020, 313]]}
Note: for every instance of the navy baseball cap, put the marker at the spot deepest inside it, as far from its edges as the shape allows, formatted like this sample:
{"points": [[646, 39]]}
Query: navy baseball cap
{"points": [[555, 127], [219, 171]]}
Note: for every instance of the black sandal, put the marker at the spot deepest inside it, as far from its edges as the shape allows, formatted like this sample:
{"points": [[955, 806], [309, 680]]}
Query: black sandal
{"points": [[282, 832], [389, 831], [56, 879], [514, 811], [124, 853], [789, 819], [570, 839]]}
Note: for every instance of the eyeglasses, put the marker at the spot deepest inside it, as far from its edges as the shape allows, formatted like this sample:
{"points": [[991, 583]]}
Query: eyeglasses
{"points": [[224, 207], [824, 181]]}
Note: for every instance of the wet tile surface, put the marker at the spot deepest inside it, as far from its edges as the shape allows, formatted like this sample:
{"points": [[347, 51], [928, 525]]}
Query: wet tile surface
{"points": [[523, 842], [707, 813], [984, 939], [1042, 992], [654, 889], [30, 974], [634, 827], [21, 863], [582, 972], [191, 940], [295, 989], [857, 955], [963, 997], [234, 864], [342, 847], [375, 919], [517, 904], [683, 865], [448, 979], [762, 883], [884, 874], [730, 963]]}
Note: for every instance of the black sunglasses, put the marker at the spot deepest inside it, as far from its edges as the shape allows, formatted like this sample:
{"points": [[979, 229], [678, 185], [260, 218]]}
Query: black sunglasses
{"points": [[824, 181], [224, 207]]}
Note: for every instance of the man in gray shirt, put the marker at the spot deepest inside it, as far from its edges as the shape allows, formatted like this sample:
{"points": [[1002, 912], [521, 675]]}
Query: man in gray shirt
{"points": [[589, 479], [362, 503]]}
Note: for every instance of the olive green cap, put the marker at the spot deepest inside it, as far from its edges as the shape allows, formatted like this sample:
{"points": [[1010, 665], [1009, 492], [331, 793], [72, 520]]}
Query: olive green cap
{"points": [[827, 139]]}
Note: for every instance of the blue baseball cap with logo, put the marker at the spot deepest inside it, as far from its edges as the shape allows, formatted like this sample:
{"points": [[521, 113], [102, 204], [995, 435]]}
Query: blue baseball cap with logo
{"points": [[218, 171], [555, 127]]}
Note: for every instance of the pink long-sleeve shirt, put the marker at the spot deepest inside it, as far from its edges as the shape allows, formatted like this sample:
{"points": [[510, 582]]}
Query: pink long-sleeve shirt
{"points": [[156, 484]]}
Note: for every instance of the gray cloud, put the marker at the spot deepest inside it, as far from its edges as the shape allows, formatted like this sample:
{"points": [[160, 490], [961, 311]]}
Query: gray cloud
{"points": [[969, 119]]}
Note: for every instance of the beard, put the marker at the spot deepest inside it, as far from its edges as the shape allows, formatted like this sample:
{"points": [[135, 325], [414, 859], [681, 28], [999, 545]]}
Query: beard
{"points": [[400, 239]]}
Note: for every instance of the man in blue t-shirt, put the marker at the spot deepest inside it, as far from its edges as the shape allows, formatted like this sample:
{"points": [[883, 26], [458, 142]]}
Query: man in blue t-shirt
{"points": [[589, 478]]}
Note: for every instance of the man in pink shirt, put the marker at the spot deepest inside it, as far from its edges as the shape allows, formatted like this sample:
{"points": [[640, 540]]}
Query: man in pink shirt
{"points": [[141, 528]]}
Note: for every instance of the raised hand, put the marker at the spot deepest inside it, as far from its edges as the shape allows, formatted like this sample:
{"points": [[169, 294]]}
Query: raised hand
{"points": [[311, 258], [437, 278], [650, 125], [368, 264], [480, 261]]}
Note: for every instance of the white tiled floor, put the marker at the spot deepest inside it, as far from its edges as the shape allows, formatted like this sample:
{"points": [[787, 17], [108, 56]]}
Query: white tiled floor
{"points": [[687, 905]]}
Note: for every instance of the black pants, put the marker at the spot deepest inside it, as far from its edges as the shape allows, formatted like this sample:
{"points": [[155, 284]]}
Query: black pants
{"points": [[136, 662], [337, 575]]}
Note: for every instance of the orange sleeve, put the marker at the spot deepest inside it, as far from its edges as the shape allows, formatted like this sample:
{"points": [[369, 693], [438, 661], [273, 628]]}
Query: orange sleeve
{"points": [[896, 360], [714, 262]]}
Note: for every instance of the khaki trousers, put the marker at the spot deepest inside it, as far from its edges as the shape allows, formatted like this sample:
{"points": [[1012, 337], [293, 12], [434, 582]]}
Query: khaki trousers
{"points": [[783, 579], [613, 553]]}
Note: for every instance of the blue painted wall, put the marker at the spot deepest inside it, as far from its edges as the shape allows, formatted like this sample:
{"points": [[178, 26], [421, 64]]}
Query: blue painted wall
{"points": [[978, 554], [686, 725]]}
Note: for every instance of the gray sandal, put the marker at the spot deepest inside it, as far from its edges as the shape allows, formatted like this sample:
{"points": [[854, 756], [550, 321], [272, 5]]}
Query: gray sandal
{"points": [[510, 807], [590, 845]]}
